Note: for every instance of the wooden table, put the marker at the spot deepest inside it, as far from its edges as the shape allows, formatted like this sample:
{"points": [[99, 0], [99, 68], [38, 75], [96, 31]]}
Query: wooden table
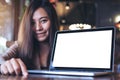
{"points": [[58, 77]]}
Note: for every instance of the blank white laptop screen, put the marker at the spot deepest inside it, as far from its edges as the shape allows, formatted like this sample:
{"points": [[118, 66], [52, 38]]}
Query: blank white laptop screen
{"points": [[83, 49]]}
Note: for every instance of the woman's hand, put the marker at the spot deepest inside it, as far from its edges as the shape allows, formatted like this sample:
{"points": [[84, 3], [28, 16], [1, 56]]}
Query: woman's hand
{"points": [[14, 67]]}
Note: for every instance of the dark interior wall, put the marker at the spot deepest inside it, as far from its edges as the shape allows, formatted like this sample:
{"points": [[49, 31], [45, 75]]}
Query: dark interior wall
{"points": [[94, 12], [106, 12], [83, 12]]}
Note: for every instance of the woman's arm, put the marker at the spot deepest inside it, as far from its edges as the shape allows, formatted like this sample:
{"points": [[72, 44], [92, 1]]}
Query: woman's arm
{"points": [[12, 65]]}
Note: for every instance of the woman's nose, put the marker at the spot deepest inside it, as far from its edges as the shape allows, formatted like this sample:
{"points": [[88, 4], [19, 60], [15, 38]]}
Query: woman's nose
{"points": [[39, 26]]}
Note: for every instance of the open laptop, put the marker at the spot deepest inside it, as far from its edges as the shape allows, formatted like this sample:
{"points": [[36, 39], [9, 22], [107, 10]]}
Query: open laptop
{"points": [[88, 52]]}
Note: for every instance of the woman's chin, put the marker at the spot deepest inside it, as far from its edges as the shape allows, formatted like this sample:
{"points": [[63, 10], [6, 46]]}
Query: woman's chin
{"points": [[41, 39]]}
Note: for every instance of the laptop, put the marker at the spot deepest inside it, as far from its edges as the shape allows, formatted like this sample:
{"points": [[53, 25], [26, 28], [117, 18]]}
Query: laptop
{"points": [[88, 52]]}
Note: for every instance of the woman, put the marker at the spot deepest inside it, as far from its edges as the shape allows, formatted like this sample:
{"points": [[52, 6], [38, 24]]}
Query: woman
{"points": [[35, 39]]}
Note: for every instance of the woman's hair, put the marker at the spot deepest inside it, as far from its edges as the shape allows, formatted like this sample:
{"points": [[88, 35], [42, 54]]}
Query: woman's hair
{"points": [[27, 43]]}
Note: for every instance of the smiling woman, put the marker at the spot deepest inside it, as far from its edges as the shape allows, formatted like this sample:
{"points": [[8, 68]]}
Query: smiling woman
{"points": [[33, 47]]}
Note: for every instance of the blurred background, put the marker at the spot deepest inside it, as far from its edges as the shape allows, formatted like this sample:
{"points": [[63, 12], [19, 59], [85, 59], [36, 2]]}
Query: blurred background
{"points": [[82, 13]]}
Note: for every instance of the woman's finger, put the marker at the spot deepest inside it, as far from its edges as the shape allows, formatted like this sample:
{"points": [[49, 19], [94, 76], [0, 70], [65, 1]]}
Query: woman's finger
{"points": [[10, 67], [4, 69], [16, 66], [23, 67]]}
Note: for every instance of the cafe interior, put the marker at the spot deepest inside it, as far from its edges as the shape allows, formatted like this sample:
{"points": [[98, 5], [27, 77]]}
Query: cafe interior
{"points": [[72, 14]]}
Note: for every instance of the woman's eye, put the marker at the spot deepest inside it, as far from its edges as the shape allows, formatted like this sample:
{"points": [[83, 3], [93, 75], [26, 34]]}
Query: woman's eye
{"points": [[43, 21]]}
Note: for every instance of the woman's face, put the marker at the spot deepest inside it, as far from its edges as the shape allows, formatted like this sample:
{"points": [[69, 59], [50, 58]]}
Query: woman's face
{"points": [[41, 24]]}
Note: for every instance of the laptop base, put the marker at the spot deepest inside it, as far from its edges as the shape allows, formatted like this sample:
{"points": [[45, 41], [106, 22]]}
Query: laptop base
{"points": [[68, 73]]}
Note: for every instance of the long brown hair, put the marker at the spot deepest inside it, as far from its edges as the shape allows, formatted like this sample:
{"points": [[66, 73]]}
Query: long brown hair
{"points": [[27, 43]]}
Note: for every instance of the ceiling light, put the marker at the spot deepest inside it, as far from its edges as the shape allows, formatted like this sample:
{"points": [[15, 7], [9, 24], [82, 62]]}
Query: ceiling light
{"points": [[67, 7]]}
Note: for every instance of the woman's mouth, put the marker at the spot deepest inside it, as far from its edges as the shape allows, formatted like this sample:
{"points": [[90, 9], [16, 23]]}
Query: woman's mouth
{"points": [[40, 34]]}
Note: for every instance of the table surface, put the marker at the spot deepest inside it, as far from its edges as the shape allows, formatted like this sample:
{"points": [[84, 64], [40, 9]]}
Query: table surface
{"points": [[59, 77]]}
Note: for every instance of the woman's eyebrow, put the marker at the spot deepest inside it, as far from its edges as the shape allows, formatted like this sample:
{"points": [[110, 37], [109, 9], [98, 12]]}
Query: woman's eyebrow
{"points": [[44, 17], [41, 18]]}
